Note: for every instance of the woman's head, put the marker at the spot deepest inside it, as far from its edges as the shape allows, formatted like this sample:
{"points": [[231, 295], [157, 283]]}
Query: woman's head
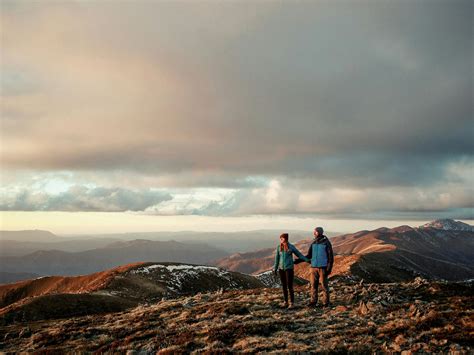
{"points": [[284, 242], [284, 238]]}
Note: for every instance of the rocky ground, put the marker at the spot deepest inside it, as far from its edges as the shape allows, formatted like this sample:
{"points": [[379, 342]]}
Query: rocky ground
{"points": [[418, 316]]}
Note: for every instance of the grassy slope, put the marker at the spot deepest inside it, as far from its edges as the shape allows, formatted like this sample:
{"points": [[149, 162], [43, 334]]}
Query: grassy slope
{"points": [[420, 316]]}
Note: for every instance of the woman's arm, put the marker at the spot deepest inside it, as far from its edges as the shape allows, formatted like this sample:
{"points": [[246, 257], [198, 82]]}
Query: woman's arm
{"points": [[298, 254], [277, 259]]}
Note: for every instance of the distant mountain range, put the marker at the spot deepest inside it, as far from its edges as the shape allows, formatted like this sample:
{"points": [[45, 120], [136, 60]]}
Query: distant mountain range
{"points": [[19, 243], [439, 249], [57, 262], [442, 249], [113, 290], [35, 235]]}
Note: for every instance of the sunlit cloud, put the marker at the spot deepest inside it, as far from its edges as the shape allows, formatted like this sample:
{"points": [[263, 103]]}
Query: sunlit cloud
{"points": [[238, 109]]}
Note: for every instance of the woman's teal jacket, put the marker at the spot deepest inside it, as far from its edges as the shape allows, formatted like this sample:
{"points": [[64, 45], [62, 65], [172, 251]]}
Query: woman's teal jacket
{"points": [[284, 259]]}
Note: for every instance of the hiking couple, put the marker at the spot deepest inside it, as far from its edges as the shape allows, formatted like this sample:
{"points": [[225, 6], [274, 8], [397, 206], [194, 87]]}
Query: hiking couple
{"points": [[319, 255]]}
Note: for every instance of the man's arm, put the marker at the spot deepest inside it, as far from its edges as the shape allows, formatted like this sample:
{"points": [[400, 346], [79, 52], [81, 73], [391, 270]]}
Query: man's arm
{"points": [[330, 257], [309, 255]]}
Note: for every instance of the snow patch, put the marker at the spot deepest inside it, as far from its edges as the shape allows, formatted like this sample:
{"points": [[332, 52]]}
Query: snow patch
{"points": [[175, 275], [449, 224]]}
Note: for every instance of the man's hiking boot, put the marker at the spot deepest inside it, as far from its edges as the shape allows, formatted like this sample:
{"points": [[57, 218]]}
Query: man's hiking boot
{"points": [[312, 304]]}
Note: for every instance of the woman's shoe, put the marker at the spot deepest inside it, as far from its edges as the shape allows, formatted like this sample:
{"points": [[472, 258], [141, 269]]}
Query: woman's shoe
{"points": [[284, 305], [291, 305]]}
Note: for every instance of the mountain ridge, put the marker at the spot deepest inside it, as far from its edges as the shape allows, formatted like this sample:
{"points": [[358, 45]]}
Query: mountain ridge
{"points": [[409, 252]]}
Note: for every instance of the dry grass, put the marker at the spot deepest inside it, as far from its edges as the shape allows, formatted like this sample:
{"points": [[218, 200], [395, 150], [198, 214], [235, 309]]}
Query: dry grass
{"points": [[416, 316]]}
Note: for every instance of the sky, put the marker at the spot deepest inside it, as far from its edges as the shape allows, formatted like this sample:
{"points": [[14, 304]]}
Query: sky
{"points": [[235, 115]]}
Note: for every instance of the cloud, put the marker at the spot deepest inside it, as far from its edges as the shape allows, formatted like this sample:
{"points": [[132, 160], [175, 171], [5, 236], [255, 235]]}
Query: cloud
{"points": [[82, 198], [407, 202], [280, 104], [453, 197]]}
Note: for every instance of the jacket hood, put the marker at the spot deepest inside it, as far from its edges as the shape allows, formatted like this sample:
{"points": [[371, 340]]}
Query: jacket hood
{"points": [[320, 239]]}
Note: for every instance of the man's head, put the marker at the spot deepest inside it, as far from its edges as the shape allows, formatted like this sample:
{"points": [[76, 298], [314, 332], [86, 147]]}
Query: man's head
{"points": [[318, 231]]}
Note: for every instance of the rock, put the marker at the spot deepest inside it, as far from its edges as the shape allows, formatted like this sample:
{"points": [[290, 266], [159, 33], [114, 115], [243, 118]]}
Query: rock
{"points": [[400, 340], [418, 282], [340, 309], [395, 347], [419, 346], [370, 305], [363, 309], [350, 298], [189, 303], [449, 327]]}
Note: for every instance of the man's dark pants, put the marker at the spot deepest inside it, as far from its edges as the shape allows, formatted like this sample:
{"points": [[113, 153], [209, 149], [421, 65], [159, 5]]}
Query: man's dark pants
{"points": [[318, 275]]}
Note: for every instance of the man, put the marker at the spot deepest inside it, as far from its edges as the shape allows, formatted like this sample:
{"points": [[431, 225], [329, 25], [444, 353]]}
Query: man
{"points": [[322, 260]]}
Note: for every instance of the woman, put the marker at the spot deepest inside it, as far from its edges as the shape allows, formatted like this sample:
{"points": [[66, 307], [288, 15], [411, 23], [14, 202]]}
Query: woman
{"points": [[284, 266]]}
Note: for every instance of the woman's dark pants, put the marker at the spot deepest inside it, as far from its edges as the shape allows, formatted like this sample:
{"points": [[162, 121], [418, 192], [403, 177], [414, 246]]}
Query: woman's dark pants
{"points": [[286, 277]]}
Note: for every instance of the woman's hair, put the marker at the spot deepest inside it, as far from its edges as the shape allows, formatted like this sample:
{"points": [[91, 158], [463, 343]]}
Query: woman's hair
{"points": [[284, 245]]}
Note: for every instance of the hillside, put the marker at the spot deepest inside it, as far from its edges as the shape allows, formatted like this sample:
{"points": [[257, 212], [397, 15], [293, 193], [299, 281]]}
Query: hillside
{"points": [[416, 316], [442, 249], [54, 262], [126, 285]]}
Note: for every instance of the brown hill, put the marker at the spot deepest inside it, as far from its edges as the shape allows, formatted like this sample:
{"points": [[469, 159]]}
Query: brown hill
{"points": [[125, 286], [383, 255], [12, 293]]}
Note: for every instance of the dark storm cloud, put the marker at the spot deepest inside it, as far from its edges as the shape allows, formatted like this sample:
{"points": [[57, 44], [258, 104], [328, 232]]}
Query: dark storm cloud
{"points": [[318, 94]]}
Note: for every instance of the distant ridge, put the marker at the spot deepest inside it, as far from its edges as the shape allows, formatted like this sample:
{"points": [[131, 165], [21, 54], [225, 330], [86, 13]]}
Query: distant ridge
{"points": [[442, 249], [57, 262], [34, 235]]}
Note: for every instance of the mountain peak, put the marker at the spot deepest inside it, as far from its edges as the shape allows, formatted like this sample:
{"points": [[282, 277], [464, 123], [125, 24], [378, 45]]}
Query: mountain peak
{"points": [[449, 224]]}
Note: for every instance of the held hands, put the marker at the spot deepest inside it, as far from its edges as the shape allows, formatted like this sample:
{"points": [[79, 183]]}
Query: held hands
{"points": [[305, 260]]}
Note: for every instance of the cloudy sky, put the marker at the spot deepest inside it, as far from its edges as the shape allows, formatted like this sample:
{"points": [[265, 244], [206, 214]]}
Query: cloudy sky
{"points": [[150, 115]]}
